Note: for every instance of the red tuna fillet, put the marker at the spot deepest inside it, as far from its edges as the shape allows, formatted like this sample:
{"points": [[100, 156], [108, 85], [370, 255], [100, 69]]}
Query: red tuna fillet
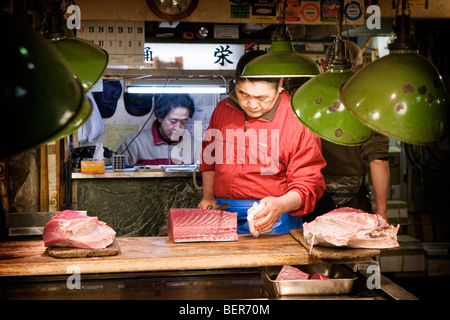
{"points": [[318, 276], [193, 225], [288, 273], [73, 229]]}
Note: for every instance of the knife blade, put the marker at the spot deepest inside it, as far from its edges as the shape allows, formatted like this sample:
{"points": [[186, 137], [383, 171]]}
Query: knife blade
{"points": [[222, 206]]}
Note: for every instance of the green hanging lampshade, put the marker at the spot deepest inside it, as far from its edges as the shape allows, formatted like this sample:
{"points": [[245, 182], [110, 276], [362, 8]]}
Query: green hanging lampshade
{"points": [[400, 95], [41, 99], [318, 106], [87, 60], [281, 62]]}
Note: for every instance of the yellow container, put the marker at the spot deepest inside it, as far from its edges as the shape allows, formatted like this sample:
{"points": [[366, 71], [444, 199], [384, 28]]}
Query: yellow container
{"points": [[92, 166]]}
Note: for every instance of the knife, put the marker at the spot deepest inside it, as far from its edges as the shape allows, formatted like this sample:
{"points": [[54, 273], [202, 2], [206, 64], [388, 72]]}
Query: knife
{"points": [[222, 206]]}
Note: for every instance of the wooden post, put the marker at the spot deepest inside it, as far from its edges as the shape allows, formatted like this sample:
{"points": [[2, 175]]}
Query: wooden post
{"points": [[43, 201]]}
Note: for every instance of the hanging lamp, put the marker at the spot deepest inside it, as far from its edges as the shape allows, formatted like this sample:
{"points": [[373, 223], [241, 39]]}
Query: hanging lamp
{"points": [[87, 60], [281, 61], [41, 101], [318, 106], [400, 95]]}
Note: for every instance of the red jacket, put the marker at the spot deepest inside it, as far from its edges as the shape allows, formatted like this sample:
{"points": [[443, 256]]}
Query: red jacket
{"points": [[259, 157]]}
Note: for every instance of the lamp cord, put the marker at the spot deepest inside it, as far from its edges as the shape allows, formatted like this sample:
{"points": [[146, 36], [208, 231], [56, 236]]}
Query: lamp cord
{"points": [[281, 32], [148, 118], [339, 59]]}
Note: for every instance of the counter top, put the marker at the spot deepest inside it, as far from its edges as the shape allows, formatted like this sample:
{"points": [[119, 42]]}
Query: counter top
{"points": [[130, 174], [25, 258]]}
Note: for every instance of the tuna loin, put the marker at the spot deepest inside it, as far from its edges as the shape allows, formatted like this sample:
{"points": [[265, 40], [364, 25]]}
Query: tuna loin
{"points": [[193, 225], [73, 229], [352, 228], [318, 276], [288, 273]]}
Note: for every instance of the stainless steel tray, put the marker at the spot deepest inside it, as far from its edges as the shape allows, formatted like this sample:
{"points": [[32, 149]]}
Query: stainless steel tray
{"points": [[340, 282]]}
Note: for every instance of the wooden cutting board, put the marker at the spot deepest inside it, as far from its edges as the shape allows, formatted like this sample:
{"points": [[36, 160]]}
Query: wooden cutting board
{"points": [[137, 254], [67, 252], [334, 253]]}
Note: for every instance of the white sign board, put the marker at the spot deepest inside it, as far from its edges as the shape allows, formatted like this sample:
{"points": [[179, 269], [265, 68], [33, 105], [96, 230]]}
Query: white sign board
{"points": [[194, 56]]}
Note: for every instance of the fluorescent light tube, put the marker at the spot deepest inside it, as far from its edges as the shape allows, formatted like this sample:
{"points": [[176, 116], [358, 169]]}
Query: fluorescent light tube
{"points": [[176, 89]]}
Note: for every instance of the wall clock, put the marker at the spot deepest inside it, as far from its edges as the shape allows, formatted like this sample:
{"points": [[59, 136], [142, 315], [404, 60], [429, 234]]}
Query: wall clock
{"points": [[172, 10]]}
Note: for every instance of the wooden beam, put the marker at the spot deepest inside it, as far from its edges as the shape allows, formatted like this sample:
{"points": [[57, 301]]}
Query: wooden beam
{"points": [[43, 198]]}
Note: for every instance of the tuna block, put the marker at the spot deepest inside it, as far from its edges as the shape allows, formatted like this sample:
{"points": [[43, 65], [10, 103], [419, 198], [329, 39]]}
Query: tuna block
{"points": [[288, 273], [196, 225]]}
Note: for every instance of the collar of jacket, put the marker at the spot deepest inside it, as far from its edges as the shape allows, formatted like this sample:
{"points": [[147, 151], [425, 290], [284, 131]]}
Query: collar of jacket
{"points": [[233, 101]]}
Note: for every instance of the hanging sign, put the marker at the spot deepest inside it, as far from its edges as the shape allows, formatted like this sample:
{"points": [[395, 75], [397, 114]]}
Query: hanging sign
{"points": [[193, 56], [310, 12], [353, 10], [264, 11], [239, 11], [329, 10], [292, 12]]}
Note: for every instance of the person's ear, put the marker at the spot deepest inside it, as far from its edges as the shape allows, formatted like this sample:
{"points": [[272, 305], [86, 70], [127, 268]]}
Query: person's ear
{"points": [[280, 85]]}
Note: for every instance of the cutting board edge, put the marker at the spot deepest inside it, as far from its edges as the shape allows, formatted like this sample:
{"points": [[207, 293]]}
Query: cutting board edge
{"points": [[347, 254]]}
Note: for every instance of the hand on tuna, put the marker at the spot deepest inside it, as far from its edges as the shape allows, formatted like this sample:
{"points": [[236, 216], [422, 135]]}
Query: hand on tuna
{"points": [[207, 203]]}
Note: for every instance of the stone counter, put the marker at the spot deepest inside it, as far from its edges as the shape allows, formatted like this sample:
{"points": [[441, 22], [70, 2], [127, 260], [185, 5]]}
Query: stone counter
{"points": [[134, 205]]}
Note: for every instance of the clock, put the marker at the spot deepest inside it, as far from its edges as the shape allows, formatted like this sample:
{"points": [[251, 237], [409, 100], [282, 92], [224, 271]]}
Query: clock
{"points": [[172, 10]]}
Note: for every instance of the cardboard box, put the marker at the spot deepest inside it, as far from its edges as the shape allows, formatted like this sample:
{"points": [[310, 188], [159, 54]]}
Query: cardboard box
{"points": [[397, 209], [409, 256], [437, 258], [88, 166], [395, 192]]}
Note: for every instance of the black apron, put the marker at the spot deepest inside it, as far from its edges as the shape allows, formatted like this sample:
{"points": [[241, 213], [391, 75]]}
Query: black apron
{"points": [[342, 191]]}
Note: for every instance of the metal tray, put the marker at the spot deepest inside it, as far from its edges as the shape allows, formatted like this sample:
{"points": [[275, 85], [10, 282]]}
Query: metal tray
{"points": [[340, 282]]}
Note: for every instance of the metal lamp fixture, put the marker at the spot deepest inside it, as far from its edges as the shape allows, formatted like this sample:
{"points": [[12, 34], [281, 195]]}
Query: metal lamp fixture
{"points": [[318, 106], [400, 95], [281, 61], [41, 99], [87, 60]]}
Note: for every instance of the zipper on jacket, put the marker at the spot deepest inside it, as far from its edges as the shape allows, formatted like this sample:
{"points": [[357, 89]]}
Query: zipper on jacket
{"points": [[232, 172], [245, 123]]}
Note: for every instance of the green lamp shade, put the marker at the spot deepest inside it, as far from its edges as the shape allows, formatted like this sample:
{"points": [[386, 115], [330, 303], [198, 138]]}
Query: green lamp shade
{"points": [[41, 99], [281, 62], [87, 60], [318, 106], [400, 95]]}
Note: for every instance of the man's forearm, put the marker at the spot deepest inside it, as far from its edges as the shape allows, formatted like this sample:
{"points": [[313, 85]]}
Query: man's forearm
{"points": [[379, 170], [208, 183]]}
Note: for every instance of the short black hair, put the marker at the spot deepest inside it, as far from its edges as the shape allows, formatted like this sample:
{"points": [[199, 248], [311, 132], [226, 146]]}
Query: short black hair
{"points": [[246, 58], [169, 101]]}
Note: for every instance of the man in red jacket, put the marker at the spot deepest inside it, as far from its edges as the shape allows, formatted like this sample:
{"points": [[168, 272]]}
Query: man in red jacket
{"points": [[255, 149]]}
